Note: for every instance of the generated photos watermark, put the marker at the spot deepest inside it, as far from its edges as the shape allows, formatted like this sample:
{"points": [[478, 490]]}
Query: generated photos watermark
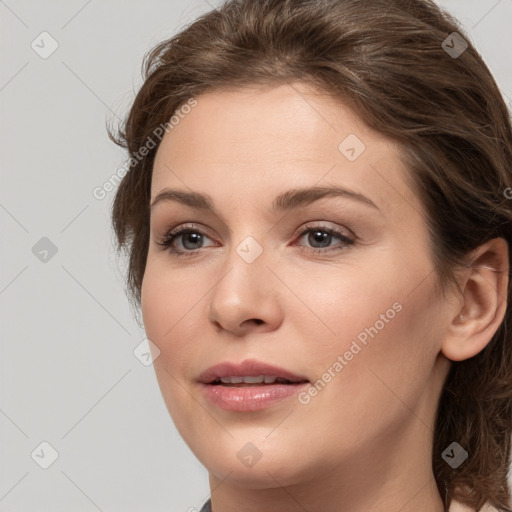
{"points": [[111, 183], [337, 366]]}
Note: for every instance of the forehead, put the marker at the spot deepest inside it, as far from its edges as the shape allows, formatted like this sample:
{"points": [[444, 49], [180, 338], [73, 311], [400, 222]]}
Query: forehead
{"points": [[268, 139]]}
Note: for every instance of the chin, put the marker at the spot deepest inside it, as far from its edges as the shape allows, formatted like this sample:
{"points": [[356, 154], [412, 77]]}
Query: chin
{"points": [[257, 464]]}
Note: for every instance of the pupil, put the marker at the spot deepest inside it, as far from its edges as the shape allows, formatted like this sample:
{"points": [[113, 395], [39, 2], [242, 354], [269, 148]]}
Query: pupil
{"points": [[320, 236], [188, 236]]}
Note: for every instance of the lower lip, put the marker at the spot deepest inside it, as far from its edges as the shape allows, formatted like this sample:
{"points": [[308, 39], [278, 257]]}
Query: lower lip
{"points": [[250, 398]]}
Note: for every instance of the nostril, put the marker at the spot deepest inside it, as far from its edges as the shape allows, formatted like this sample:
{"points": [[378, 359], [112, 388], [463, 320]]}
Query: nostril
{"points": [[258, 321]]}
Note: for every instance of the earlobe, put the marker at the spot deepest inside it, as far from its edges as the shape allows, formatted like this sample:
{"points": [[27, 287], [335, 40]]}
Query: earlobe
{"points": [[484, 287]]}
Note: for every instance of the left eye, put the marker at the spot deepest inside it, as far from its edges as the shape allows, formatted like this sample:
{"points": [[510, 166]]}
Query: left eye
{"points": [[322, 235], [191, 238]]}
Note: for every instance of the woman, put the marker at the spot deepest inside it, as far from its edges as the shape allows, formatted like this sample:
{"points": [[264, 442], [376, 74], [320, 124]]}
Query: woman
{"points": [[318, 223]]}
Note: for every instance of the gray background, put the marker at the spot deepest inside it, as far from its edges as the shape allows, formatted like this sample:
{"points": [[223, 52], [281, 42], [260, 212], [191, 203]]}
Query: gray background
{"points": [[68, 374]]}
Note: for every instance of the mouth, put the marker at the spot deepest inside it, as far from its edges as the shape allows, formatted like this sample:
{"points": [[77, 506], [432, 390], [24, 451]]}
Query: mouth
{"points": [[249, 386], [249, 372], [261, 380]]}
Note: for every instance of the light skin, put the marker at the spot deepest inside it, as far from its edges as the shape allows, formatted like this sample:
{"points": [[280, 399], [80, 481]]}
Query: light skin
{"points": [[364, 442]]}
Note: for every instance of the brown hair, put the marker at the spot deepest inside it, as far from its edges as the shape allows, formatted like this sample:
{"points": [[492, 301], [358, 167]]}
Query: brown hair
{"points": [[387, 59]]}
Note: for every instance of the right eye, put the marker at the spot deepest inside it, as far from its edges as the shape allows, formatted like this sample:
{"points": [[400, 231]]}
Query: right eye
{"points": [[187, 235]]}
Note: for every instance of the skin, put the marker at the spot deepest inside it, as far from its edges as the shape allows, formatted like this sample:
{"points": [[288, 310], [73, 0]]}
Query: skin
{"points": [[364, 442]]}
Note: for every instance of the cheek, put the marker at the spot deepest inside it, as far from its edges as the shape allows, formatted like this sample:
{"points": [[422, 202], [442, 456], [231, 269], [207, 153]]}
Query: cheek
{"points": [[154, 306], [358, 303], [170, 303], [382, 355], [164, 309], [378, 319], [166, 298]]}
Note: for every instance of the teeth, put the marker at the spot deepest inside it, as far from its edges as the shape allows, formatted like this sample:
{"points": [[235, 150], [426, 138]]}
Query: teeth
{"points": [[252, 380], [231, 380]]}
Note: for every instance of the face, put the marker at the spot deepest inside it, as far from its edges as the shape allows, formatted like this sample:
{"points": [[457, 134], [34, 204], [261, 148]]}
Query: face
{"points": [[335, 288]]}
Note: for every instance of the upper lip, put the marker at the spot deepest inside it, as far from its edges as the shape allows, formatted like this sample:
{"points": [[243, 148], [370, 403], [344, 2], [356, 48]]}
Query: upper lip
{"points": [[247, 368]]}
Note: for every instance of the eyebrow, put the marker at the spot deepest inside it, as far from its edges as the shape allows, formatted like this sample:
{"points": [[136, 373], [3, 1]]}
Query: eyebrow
{"points": [[289, 200]]}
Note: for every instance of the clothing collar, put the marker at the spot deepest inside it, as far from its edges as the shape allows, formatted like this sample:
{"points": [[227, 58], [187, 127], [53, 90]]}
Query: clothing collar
{"points": [[207, 507]]}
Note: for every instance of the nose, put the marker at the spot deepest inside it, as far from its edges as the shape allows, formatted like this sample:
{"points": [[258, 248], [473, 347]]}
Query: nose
{"points": [[246, 297]]}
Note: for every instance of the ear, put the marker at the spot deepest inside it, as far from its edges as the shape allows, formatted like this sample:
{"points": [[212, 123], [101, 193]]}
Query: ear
{"points": [[484, 301]]}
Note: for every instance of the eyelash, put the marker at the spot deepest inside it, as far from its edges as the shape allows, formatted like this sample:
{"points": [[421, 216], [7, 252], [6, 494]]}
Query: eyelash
{"points": [[166, 241]]}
